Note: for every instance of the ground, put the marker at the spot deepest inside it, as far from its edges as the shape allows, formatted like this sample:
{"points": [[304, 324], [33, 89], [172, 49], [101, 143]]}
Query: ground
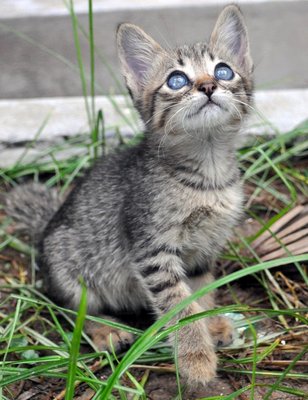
{"points": [[268, 359]]}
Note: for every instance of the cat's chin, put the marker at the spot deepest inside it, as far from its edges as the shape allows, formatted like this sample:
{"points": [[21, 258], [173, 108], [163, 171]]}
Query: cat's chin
{"points": [[210, 116]]}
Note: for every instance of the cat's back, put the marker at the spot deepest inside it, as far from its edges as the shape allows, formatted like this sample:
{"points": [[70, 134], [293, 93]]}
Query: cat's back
{"points": [[100, 192]]}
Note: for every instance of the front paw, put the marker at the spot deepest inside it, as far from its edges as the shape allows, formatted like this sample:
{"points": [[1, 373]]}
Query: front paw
{"points": [[198, 367], [108, 338], [221, 330], [196, 354]]}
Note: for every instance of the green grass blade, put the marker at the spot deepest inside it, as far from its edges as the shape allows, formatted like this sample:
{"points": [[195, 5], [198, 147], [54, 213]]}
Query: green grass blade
{"points": [[92, 56], [74, 351], [12, 330], [80, 61]]}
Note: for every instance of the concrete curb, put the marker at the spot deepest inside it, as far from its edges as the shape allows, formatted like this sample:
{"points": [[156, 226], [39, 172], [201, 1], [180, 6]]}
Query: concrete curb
{"points": [[21, 120]]}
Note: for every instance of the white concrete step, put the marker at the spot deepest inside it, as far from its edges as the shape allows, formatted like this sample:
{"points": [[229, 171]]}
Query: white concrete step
{"points": [[47, 121], [20, 120], [31, 29]]}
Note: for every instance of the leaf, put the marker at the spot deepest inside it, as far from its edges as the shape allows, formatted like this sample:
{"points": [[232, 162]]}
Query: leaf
{"points": [[278, 224], [19, 342], [285, 236], [30, 354]]}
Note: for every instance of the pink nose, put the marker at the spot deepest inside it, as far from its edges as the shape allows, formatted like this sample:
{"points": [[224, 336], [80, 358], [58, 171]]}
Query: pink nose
{"points": [[208, 88]]}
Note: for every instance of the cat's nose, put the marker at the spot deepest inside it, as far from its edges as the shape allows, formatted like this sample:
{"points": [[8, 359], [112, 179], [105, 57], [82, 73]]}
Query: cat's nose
{"points": [[208, 88]]}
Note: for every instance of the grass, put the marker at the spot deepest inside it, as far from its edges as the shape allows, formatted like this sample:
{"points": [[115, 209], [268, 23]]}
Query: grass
{"points": [[42, 345]]}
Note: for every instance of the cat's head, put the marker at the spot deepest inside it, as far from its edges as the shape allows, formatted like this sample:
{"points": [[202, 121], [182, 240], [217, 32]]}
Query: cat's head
{"points": [[199, 87]]}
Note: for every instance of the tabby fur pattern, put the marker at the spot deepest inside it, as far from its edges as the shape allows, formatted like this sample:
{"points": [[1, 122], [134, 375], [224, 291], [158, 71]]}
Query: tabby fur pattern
{"points": [[144, 226]]}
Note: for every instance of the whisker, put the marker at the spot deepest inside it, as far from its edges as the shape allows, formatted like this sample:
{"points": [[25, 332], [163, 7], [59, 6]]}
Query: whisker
{"points": [[233, 106], [247, 105], [166, 131], [160, 111]]}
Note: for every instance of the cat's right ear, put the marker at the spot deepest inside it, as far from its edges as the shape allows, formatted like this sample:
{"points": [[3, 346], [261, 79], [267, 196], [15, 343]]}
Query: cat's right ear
{"points": [[136, 50], [230, 38]]}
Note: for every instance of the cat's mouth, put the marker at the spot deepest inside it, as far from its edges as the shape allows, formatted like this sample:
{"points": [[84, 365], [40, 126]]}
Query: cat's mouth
{"points": [[207, 105]]}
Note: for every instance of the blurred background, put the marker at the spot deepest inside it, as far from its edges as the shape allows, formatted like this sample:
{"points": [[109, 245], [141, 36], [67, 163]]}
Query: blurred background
{"points": [[45, 78], [37, 44]]}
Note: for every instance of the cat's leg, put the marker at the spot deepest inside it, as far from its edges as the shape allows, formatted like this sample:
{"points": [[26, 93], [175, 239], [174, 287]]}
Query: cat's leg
{"points": [[220, 327], [107, 337], [164, 280]]}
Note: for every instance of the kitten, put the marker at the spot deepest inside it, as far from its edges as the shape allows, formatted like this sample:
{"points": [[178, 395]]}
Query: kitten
{"points": [[143, 227]]}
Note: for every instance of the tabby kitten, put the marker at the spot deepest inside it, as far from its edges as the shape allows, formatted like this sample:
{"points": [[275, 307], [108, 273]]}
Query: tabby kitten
{"points": [[143, 227]]}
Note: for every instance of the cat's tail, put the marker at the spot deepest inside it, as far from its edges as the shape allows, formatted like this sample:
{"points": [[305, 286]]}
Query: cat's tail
{"points": [[32, 206]]}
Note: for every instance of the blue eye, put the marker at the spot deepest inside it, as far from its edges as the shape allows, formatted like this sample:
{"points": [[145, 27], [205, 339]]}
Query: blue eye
{"points": [[223, 72], [177, 80]]}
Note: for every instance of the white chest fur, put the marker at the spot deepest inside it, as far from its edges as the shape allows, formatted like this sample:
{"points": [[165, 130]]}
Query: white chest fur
{"points": [[201, 222]]}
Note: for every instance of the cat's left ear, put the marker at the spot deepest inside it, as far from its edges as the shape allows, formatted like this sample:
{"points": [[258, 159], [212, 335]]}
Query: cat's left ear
{"points": [[230, 38], [137, 52]]}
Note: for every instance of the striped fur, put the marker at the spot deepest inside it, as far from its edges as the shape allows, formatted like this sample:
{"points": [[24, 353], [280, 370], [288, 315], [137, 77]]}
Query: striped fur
{"points": [[144, 226]]}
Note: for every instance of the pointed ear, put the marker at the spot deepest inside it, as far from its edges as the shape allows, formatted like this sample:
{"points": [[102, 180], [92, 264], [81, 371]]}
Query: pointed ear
{"points": [[230, 37], [137, 52]]}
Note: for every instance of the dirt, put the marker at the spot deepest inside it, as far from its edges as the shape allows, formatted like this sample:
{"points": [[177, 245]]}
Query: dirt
{"points": [[159, 386]]}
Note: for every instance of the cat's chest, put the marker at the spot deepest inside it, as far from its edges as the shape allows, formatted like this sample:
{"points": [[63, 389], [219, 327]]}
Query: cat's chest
{"points": [[201, 208], [209, 224], [200, 216], [205, 220]]}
